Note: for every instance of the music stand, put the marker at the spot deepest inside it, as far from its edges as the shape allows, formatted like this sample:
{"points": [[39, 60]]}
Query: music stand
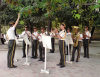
{"points": [[68, 41], [27, 43], [46, 40]]}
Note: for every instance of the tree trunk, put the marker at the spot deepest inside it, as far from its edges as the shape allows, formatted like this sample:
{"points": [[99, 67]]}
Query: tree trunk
{"points": [[92, 32], [49, 25], [0, 33]]}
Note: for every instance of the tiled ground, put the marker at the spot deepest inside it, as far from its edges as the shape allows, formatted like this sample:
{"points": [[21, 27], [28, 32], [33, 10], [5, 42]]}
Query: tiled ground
{"points": [[85, 68]]}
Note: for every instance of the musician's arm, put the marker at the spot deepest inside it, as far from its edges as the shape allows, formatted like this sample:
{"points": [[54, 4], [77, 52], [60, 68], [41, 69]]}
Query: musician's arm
{"points": [[22, 35], [17, 20]]}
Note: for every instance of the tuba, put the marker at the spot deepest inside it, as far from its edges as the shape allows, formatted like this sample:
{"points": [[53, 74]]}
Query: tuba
{"points": [[76, 39]]}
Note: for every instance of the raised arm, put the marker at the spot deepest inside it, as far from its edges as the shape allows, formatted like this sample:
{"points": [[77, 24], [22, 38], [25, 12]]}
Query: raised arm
{"points": [[17, 20]]}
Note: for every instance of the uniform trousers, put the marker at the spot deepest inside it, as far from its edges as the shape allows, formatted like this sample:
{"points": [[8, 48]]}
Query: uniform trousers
{"points": [[41, 51], [11, 53], [73, 53], [34, 48], [86, 47], [53, 45], [62, 52]]}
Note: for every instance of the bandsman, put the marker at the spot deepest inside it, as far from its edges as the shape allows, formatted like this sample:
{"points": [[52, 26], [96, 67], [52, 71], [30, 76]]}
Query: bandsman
{"points": [[34, 43], [62, 35], [27, 32], [86, 37], [80, 43], [41, 48], [76, 36], [11, 43]]}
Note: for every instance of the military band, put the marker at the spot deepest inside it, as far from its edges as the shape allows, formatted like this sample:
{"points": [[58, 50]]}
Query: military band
{"points": [[37, 43]]}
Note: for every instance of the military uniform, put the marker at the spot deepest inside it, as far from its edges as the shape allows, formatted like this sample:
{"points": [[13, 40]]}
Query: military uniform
{"points": [[41, 48], [11, 47], [80, 43], [34, 44], [52, 42], [24, 44], [77, 35], [86, 44], [62, 34]]}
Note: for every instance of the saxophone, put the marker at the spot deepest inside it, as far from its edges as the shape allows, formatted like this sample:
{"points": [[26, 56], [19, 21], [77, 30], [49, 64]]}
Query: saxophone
{"points": [[76, 39]]}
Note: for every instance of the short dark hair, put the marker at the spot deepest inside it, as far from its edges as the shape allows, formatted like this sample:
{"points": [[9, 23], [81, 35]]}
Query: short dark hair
{"points": [[43, 28], [34, 28], [11, 23], [26, 26]]}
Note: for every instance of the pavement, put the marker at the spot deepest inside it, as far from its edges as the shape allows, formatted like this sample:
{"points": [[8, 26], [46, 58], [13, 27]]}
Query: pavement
{"points": [[84, 68]]}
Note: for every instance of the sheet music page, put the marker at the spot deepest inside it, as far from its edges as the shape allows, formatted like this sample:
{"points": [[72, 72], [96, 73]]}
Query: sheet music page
{"points": [[68, 39], [26, 39], [46, 41]]}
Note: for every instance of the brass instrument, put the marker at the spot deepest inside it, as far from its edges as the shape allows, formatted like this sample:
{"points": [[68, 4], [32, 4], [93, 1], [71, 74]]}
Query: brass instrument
{"points": [[76, 36], [76, 39]]}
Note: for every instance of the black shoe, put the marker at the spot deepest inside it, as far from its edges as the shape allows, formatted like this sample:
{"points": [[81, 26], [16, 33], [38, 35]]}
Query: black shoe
{"points": [[84, 56], [59, 64], [43, 60], [40, 60], [24, 57], [88, 57], [35, 57], [13, 66], [76, 60], [62, 66], [72, 60], [32, 57]]}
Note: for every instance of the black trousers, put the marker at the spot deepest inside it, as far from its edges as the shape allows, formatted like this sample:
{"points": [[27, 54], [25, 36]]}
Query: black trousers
{"points": [[24, 48], [34, 48], [73, 53], [53, 45], [62, 52], [2, 40], [80, 45], [69, 49], [86, 47], [11, 53], [41, 51]]}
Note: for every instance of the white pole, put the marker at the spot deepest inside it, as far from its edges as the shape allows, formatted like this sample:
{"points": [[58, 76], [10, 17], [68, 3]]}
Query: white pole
{"points": [[45, 58], [45, 70], [26, 54], [26, 63]]}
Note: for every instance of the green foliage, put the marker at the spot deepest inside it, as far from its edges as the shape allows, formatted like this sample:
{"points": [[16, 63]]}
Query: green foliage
{"points": [[38, 12]]}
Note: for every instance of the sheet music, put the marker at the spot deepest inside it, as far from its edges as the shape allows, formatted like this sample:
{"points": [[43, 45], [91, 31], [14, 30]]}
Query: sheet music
{"points": [[68, 39], [46, 41], [26, 39]]}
